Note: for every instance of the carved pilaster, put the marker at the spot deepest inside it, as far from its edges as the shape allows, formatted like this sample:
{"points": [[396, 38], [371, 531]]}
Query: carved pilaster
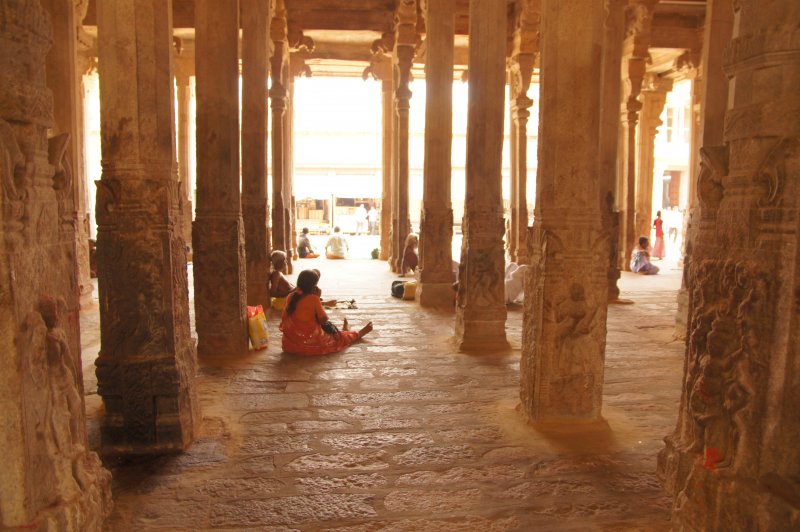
{"points": [[218, 231], [255, 209], [733, 456], [564, 328], [406, 39], [50, 480], [480, 307]]}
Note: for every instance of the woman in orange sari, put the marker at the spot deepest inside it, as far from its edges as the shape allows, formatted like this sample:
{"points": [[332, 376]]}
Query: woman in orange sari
{"points": [[303, 319]]}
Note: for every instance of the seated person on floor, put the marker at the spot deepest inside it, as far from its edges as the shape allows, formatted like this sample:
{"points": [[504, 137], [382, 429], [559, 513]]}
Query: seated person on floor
{"points": [[305, 325], [337, 246], [410, 257], [515, 282], [304, 248], [279, 286], [640, 258]]}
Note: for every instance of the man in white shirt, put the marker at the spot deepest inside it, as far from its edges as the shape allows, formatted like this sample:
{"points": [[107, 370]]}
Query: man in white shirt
{"points": [[337, 246], [361, 219]]}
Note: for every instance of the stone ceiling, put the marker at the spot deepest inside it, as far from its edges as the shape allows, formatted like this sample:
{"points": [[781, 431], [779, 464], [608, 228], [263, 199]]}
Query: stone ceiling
{"points": [[344, 30]]}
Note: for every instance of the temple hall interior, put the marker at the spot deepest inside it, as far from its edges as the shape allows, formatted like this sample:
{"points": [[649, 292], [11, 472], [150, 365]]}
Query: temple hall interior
{"points": [[532, 160]]}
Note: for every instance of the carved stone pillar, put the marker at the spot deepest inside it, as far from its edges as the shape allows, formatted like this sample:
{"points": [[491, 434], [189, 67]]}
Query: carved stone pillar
{"points": [[713, 104], [614, 29], [183, 70], [278, 96], [382, 69], [288, 174], [733, 460], [147, 361], [480, 308], [405, 45], [654, 97], [567, 288], [436, 233], [62, 78], [255, 210], [639, 18], [218, 233], [523, 57], [49, 480]]}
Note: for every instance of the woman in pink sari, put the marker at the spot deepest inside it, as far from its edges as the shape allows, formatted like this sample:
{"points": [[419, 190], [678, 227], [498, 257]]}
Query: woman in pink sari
{"points": [[305, 325]]}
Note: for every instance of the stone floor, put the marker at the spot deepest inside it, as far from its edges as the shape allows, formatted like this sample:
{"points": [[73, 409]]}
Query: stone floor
{"points": [[403, 433]]}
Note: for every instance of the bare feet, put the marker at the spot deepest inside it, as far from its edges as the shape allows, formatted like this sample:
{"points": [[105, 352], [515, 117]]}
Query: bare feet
{"points": [[346, 326], [364, 330]]}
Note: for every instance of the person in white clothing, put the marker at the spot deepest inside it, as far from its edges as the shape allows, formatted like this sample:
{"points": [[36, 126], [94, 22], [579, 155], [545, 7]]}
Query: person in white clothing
{"points": [[337, 246]]}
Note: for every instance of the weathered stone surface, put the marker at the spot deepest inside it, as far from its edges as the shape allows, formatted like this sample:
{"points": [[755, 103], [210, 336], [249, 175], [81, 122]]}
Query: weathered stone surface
{"points": [[432, 502], [434, 455], [339, 461], [288, 510], [376, 440], [353, 482]]}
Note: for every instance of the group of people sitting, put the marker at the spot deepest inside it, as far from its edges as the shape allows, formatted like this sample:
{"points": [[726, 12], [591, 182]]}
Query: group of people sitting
{"points": [[305, 325], [336, 247]]}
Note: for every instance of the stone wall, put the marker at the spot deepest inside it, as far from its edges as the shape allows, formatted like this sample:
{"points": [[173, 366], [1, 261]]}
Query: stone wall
{"points": [[49, 478]]}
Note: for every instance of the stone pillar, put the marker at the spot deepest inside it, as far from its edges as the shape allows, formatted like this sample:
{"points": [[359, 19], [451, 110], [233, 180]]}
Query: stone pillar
{"points": [[733, 460], [218, 232], [147, 361], [436, 233], [382, 69], [63, 80], [387, 97], [567, 288], [405, 46], [614, 28], [183, 71], [654, 97], [255, 63], [523, 57], [50, 480], [713, 104], [288, 173], [480, 308], [639, 18], [278, 96]]}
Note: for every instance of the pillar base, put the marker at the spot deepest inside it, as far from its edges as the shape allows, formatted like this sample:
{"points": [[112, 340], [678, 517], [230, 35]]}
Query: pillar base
{"points": [[475, 335], [87, 511], [436, 295]]}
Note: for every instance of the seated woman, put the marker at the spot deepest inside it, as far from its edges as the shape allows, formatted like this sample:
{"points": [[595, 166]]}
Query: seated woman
{"points": [[302, 321], [640, 258], [410, 257], [279, 286], [304, 248]]}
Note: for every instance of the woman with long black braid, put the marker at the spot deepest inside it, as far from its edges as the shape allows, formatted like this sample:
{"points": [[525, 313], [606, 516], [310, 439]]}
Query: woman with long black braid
{"points": [[303, 319]]}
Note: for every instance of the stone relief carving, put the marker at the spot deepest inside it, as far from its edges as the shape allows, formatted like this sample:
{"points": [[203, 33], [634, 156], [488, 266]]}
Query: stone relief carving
{"points": [[15, 184], [713, 167], [727, 365], [62, 180], [772, 171]]}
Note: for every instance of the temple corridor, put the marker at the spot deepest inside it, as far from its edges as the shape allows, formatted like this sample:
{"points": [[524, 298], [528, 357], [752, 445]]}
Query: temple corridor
{"points": [[402, 432]]}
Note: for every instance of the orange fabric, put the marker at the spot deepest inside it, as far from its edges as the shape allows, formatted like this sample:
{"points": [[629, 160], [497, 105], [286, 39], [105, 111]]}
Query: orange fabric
{"points": [[302, 333]]}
